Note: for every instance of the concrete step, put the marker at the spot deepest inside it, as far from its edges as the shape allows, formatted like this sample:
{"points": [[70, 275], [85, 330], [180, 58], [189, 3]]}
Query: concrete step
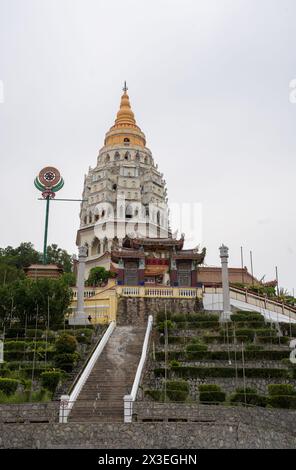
{"points": [[112, 377]]}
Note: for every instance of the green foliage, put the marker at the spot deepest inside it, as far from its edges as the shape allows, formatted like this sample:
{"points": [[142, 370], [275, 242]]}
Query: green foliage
{"points": [[204, 372], [248, 396], [193, 347], [249, 355], [175, 363], [282, 396], [69, 279], [51, 379], [161, 316], [27, 294], [56, 255], [66, 344], [177, 390], [247, 316], [211, 394], [8, 386], [156, 395], [9, 274], [19, 257], [97, 276], [66, 361], [178, 317], [165, 325], [32, 333]]}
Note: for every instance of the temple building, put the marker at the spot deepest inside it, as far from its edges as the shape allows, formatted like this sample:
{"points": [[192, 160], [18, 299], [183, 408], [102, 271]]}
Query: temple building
{"points": [[124, 220]]}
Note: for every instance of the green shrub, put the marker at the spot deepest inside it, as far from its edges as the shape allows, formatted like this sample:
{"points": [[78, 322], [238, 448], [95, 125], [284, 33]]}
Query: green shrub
{"points": [[253, 347], [15, 333], [8, 386], [175, 363], [204, 372], [66, 344], [83, 335], [282, 396], [66, 361], [248, 396], [211, 394], [161, 316], [31, 333], [280, 389], [247, 316], [156, 395], [166, 324], [177, 390], [203, 317], [193, 347], [171, 355], [178, 317], [51, 379]]}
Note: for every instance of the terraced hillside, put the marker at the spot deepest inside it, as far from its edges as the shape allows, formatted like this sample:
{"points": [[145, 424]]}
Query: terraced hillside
{"points": [[196, 359]]}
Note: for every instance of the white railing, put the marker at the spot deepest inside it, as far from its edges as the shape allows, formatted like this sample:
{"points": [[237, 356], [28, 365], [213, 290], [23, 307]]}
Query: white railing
{"points": [[128, 400], [134, 291], [67, 401], [213, 301], [145, 291], [158, 292]]}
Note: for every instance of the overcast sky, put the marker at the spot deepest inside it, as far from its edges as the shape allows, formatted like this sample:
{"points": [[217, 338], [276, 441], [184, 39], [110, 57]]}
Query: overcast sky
{"points": [[209, 84]]}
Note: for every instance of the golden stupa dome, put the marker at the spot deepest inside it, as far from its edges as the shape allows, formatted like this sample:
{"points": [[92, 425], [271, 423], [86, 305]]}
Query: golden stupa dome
{"points": [[125, 130]]}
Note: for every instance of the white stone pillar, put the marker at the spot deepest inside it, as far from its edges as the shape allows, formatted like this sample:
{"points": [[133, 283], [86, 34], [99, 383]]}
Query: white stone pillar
{"points": [[80, 317], [225, 316]]}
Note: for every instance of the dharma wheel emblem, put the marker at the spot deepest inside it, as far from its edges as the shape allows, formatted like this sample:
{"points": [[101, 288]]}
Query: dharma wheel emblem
{"points": [[49, 181]]}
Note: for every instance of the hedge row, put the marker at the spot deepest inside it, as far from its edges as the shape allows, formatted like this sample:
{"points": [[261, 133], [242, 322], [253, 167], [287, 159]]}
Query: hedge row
{"points": [[270, 355], [226, 372], [212, 394]]}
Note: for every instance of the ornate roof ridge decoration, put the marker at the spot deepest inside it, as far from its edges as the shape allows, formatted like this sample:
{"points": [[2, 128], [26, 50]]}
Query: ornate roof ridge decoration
{"points": [[116, 255], [158, 242]]}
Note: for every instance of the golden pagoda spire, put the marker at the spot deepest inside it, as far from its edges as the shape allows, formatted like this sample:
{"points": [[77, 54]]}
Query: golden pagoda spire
{"points": [[125, 129]]}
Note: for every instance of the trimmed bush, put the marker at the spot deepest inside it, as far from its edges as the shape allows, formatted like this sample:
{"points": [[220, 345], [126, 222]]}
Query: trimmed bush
{"points": [[204, 372], [178, 317], [211, 394], [156, 395], [177, 390], [66, 344], [282, 396], [166, 324], [8, 386], [248, 396], [30, 333], [193, 347], [66, 361], [161, 316], [51, 379], [15, 333], [250, 355], [174, 363], [247, 316]]}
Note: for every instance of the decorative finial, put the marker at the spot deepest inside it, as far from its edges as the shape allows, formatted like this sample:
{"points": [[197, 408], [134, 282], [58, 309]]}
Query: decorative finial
{"points": [[125, 88]]}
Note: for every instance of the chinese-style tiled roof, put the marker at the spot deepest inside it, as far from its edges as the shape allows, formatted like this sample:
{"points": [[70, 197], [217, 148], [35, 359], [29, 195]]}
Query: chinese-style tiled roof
{"points": [[154, 243], [190, 254], [118, 253]]}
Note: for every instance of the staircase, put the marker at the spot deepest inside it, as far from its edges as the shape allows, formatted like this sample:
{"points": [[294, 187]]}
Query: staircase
{"points": [[101, 399]]}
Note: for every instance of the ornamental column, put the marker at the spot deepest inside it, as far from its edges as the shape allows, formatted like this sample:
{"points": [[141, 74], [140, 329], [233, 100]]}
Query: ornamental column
{"points": [[225, 316], [80, 316]]}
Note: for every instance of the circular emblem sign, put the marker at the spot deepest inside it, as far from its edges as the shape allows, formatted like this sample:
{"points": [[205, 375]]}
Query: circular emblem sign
{"points": [[49, 181], [49, 176]]}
